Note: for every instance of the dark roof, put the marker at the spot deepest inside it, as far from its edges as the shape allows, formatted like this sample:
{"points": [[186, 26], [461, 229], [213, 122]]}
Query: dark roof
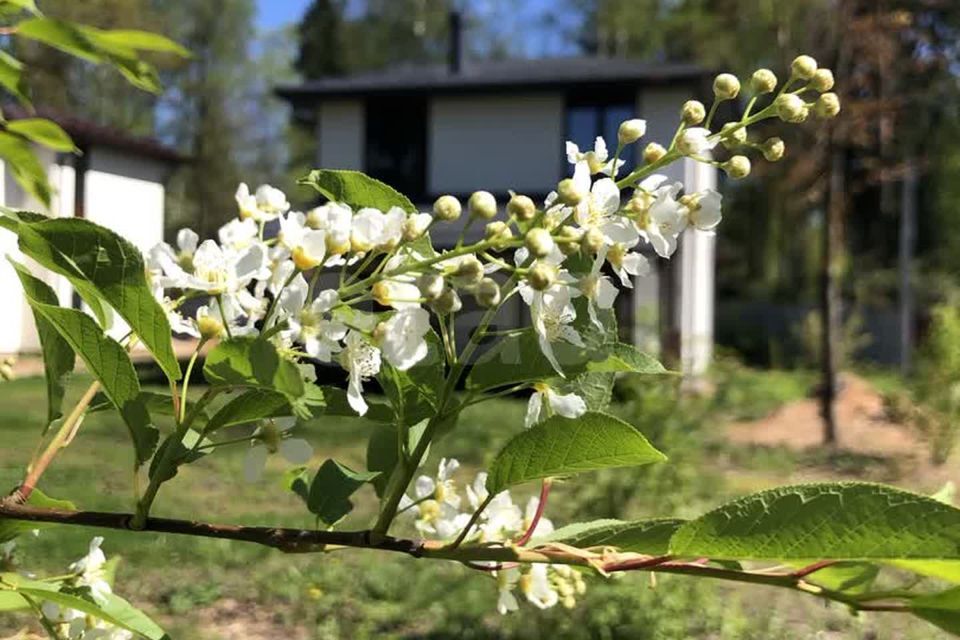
{"points": [[89, 133], [541, 73]]}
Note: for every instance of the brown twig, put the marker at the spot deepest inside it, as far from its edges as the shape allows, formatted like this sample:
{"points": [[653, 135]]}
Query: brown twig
{"points": [[544, 493]]}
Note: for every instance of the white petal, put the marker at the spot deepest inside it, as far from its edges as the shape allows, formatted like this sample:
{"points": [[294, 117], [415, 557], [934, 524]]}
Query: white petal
{"points": [[296, 450], [569, 406], [254, 462], [533, 410], [355, 394], [606, 196], [606, 293], [187, 240], [424, 486]]}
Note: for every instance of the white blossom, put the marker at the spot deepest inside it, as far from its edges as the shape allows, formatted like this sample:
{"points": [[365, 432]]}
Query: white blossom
{"points": [[568, 405], [362, 361], [403, 340], [273, 436]]}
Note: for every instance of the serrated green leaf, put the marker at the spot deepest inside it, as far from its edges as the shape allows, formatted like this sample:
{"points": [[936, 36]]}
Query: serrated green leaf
{"points": [[356, 189], [650, 537], [940, 609], [112, 267], [10, 529], [12, 79], [335, 404], [842, 521], [561, 446], [58, 355], [330, 491], [625, 358], [138, 40], [254, 363], [111, 608], [518, 358], [105, 358], [25, 166], [250, 406], [44, 132]]}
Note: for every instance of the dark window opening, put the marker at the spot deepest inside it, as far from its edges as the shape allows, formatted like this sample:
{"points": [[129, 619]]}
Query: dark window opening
{"points": [[590, 116], [396, 143]]}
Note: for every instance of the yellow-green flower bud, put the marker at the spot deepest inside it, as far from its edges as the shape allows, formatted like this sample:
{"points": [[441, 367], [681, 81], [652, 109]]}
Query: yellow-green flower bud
{"points": [[592, 241], [447, 208], [827, 106], [822, 80], [483, 205], [631, 130], [447, 302], [732, 137], [653, 152], [499, 232], [209, 327], [763, 81], [773, 149], [803, 67], [487, 293], [569, 193], [521, 207], [792, 108], [430, 285], [539, 242], [737, 167], [726, 86], [469, 271], [693, 112], [542, 276], [568, 240]]}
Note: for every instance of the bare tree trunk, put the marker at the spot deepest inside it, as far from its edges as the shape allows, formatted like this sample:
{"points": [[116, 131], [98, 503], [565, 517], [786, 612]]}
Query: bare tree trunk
{"points": [[831, 302], [908, 225]]}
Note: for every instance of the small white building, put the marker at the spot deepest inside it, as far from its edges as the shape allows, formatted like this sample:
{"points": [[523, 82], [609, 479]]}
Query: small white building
{"points": [[117, 180], [430, 130]]}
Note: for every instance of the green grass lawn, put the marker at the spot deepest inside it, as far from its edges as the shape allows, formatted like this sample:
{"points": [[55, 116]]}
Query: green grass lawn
{"points": [[204, 588]]}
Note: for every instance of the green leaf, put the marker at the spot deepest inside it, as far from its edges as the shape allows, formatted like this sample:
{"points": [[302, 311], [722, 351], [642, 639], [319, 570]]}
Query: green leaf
{"points": [[58, 356], [250, 406], [255, 363], [42, 131], [105, 358], [12, 78], [111, 608], [61, 35], [518, 358], [335, 404], [848, 577], [626, 358], [842, 521], [561, 446], [382, 455], [650, 537], [139, 40], [25, 166], [356, 189], [109, 265], [940, 609], [11, 600], [16, 6], [10, 529], [330, 491]]}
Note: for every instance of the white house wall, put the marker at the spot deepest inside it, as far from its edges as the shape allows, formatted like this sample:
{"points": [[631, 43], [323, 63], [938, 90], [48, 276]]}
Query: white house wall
{"points": [[340, 134], [497, 142]]}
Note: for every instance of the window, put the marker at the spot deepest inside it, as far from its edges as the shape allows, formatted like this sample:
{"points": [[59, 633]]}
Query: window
{"points": [[589, 118], [396, 143]]}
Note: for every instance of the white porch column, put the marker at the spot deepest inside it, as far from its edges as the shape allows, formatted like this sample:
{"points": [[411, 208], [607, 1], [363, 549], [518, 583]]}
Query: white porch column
{"points": [[695, 308]]}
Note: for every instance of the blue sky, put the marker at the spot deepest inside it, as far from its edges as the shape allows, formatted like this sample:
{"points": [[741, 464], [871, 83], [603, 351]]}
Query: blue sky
{"points": [[276, 13]]}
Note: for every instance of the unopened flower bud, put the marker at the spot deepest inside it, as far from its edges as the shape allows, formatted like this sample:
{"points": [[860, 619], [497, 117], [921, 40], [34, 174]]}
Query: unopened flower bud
{"points": [[430, 285], [653, 152], [447, 302], [469, 271], [803, 67], [415, 226], [726, 86], [737, 167], [487, 293], [592, 241], [539, 242], [827, 106], [447, 208], [499, 232], [792, 108], [631, 130], [763, 81], [209, 327], [521, 207], [773, 149], [542, 276], [693, 112], [569, 193], [822, 80], [482, 205], [732, 135]]}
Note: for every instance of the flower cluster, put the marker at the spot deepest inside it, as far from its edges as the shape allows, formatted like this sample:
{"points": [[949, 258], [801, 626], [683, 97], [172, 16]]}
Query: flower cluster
{"points": [[444, 510], [90, 574]]}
